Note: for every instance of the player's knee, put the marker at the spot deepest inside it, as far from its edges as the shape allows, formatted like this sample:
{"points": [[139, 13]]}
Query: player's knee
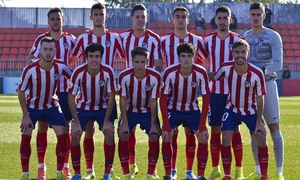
{"points": [[42, 126], [226, 139], [109, 138], [75, 139], [154, 137], [273, 127], [261, 139]]}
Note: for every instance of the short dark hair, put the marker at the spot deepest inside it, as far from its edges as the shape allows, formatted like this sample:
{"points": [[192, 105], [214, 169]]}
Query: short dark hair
{"points": [[55, 10], [225, 9], [240, 42], [186, 47], [98, 6], [181, 8], [257, 5], [139, 51], [138, 7], [94, 47], [47, 39]]}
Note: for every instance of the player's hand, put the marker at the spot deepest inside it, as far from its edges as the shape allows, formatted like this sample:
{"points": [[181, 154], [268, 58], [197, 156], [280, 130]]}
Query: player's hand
{"points": [[202, 136], [26, 124], [260, 128], [167, 136], [155, 129], [123, 130], [76, 130], [108, 126]]}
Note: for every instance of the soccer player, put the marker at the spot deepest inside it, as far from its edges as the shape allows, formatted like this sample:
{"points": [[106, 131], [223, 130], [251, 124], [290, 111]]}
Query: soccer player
{"points": [[168, 45], [140, 36], [266, 53], [182, 83], [139, 90], [94, 85], [112, 45], [65, 43], [41, 80], [218, 44], [245, 104]]}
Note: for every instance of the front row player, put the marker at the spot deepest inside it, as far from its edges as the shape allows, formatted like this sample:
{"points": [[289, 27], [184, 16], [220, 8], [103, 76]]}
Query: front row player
{"points": [[139, 90], [179, 105], [95, 83], [41, 80], [245, 104]]}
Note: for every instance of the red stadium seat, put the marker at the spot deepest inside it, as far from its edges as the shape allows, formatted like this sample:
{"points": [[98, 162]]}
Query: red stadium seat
{"points": [[2, 36], [296, 46], [295, 39], [291, 26], [297, 54], [7, 44], [208, 31], [289, 53], [153, 25], [241, 26], [24, 37], [14, 51], [194, 31], [286, 39], [192, 25], [161, 24], [22, 51], [282, 26], [275, 26], [8, 37], [201, 32], [161, 32], [293, 32], [16, 37], [32, 37], [287, 46], [15, 44], [169, 25], [5, 51], [284, 32], [23, 44]]}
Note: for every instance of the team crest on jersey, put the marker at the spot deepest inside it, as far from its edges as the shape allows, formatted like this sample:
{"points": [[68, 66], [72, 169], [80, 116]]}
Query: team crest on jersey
{"points": [[101, 83], [56, 76], [194, 84], [247, 83], [260, 42], [145, 44], [107, 43], [147, 87], [66, 45]]}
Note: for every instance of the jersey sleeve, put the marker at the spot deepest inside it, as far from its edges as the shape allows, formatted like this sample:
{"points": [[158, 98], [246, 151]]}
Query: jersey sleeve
{"points": [[24, 84], [277, 53], [74, 83]]}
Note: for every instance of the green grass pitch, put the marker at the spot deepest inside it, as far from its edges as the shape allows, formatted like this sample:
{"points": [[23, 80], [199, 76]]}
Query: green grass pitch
{"points": [[10, 168]]}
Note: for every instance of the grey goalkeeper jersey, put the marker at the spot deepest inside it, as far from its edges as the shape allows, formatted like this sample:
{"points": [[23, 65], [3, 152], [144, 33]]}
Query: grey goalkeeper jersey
{"points": [[265, 51]]}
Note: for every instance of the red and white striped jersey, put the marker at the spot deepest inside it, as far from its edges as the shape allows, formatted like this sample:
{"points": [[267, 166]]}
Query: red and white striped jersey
{"points": [[219, 51], [243, 89], [64, 49], [139, 92], [170, 42], [110, 41], [183, 92], [42, 84], [93, 90], [150, 40]]}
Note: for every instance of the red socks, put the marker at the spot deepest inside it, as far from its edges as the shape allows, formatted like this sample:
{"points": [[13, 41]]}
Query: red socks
{"points": [[215, 148], [263, 158], [124, 156], [190, 150], [61, 151], [167, 156], [226, 159], [89, 148], [109, 153], [237, 147], [153, 153], [76, 154], [202, 155], [131, 148], [68, 141], [175, 148], [25, 152], [41, 146]]}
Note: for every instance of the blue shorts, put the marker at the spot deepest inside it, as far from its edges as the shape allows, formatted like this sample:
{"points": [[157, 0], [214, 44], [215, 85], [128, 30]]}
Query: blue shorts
{"points": [[144, 119], [231, 120], [64, 104], [53, 116], [95, 115], [188, 119], [217, 106]]}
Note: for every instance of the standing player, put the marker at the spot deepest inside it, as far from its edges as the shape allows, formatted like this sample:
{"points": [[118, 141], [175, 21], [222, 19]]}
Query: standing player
{"points": [[65, 43], [142, 37], [95, 83], [168, 45], [245, 104], [112, 46], [266, 53], [218, 44], [139, 90], [41, 79], [179, 105]]}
